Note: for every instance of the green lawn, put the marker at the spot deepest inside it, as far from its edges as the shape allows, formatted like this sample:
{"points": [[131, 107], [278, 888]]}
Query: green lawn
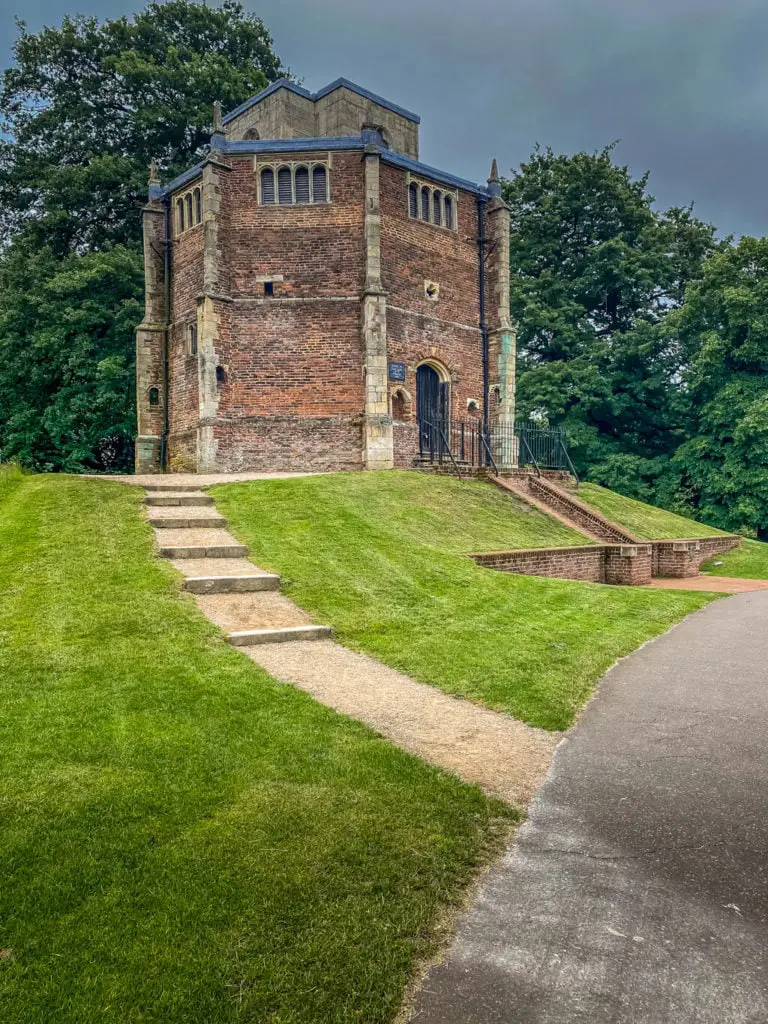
{"points": [[186, 841], [749, 561], [378, 556], [646, 522]]}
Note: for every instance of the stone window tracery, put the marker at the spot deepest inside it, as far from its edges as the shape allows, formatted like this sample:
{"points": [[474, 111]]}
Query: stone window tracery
{"points": [[298, 184], [189, 209], [431, 204]]}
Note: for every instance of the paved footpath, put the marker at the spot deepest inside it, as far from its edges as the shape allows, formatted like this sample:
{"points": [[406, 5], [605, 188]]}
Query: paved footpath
{"points": [[637, 891]]}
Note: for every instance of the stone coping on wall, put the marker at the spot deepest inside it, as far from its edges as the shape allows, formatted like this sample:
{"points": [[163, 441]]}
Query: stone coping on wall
{"points": [[627, 564]]}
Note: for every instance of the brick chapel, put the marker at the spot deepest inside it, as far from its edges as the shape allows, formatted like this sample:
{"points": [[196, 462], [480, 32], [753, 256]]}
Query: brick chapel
{"points": [[315, 294]]}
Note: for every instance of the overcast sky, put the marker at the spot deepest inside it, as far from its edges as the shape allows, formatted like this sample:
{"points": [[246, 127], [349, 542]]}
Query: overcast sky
{"points": [[682, 83]]}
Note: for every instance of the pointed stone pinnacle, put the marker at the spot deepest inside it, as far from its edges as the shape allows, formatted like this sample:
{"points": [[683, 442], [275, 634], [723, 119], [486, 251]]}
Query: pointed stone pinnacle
{"points": [[217, 125], [154, 178], [494, 178]]}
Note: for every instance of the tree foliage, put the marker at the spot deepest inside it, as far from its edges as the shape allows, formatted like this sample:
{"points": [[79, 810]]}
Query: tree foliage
{"points": [[85, 108], [723, 329], [66, 372], [89, 104], [595, 270]]}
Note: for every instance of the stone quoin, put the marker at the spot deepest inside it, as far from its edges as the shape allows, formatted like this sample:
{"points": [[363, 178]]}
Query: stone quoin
{"points": [[313, 293]]}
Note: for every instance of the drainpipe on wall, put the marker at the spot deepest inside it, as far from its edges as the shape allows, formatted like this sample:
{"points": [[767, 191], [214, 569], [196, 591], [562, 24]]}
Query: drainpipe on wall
{"points": [[481, 289], [166, 335]]}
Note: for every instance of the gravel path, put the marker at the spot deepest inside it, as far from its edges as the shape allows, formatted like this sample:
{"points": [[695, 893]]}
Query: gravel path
{"points": [[504, 757], [501, 755]]}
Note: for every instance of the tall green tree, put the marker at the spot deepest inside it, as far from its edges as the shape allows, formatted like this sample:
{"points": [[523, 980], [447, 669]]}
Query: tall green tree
{"points": [[88, 104], [83, 110], [66, 369], [594, 269], [723, 329]]}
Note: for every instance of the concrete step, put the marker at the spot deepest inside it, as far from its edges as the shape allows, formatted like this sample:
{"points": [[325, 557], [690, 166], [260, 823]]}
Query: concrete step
{"points": [[220, 567], [177, 498], [280, 635], [231, 584], [177, 488], [204, 551], [187, 522]]}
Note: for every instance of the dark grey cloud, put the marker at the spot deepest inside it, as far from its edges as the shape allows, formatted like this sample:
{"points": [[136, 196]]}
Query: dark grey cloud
{"points": [[682, 83]]}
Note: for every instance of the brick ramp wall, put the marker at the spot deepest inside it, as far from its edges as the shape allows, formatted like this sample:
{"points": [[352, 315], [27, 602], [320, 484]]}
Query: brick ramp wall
{"points": [[581, 515]]}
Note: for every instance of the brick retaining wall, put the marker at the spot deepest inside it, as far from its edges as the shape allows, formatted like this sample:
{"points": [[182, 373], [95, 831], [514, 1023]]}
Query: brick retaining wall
{"points": [[681, 559], [630, 565], [624, 564]]}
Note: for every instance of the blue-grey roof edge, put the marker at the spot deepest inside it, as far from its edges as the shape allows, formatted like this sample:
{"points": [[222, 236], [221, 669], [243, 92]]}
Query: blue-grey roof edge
{"points": [[351, 142]]}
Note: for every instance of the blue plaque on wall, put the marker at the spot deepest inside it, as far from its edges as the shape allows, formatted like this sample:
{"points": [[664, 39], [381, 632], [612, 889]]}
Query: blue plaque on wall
{"points": [[397, 371]]}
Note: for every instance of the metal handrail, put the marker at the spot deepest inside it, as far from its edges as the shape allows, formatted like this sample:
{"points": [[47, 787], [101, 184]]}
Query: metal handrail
{"points": [[568, 459], [444, 439], [488, 450], [535, 464]]}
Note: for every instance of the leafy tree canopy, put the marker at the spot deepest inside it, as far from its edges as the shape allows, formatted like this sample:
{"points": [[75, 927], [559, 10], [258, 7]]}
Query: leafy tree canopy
{"points": [[595, 268], [85, 108], [723, 328], [66, 358], [88, 104]]}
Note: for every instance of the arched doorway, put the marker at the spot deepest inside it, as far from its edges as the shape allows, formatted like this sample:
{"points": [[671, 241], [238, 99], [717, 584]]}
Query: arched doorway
{"points": [[432, 404]]}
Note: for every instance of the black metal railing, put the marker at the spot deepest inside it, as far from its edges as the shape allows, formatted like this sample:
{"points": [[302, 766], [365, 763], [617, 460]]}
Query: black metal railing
{"points": [[465, 444]]}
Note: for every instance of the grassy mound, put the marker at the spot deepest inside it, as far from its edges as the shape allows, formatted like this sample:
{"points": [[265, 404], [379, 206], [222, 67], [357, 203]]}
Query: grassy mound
{"points": [[379, 557], [750, 561], [646, 522], [183, 838]]}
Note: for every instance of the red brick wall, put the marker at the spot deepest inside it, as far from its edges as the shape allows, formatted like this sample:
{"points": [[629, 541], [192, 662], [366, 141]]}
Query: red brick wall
{"points": [[317, 249], [606, 563], [583, 516], [682, 558], [585, 563], [292, 359], [286, 444], [296, 359], [417, 328]]}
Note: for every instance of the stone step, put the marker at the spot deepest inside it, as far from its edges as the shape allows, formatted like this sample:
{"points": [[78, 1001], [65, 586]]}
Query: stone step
{"points": [[220, 567], [177, 488], [204, 551], [231, 584], [280, 635], [176, 499], [188, 522]]}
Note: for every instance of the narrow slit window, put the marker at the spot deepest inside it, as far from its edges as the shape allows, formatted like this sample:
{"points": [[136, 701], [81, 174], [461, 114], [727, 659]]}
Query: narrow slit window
{"points": [[221, 376], [448, 210], [413, 200], [190, 222], [302, 185], [180, 214], [284, 186], [154, 396], [267, 186], [437, 202], [425, 203], [198, 205], [193, 339], [269, 289], [319, 184]]}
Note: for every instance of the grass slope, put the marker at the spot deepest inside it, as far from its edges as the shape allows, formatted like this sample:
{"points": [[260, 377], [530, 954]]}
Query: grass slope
{"points": [[646, 522], [377, 555], [185, 840], [750, 561]]}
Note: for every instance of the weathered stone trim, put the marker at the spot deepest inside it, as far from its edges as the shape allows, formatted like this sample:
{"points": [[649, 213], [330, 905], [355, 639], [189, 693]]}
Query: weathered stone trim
{"points": [[435, 319], [378, 451]]}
